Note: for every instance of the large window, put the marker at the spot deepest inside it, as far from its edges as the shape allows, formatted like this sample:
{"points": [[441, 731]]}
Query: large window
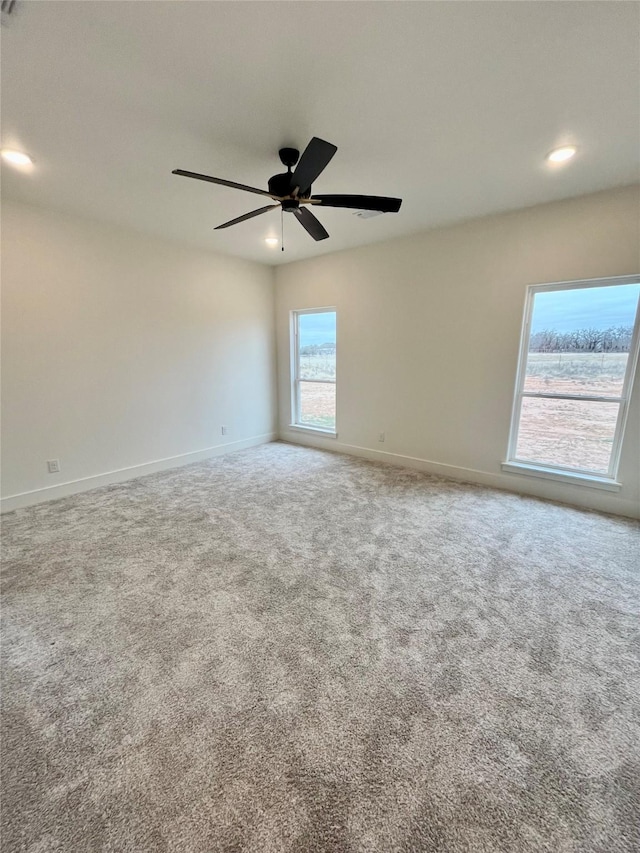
{"points": [[578, 355], [313, 358]]}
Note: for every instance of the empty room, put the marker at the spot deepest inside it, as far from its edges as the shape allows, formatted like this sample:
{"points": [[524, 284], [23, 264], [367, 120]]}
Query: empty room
{"points": [[320, 426]]}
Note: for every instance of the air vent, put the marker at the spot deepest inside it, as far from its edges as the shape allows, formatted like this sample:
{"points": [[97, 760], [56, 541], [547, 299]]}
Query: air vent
{"points": [[367, 214]]}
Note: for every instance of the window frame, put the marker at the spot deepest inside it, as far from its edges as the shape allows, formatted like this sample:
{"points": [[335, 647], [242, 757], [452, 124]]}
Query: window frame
{"points": [[294, 323], [580, 476]]}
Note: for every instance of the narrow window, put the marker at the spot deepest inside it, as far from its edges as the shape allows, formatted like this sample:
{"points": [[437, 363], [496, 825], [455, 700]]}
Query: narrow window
{"points": [[578, 354], [313, 359]]}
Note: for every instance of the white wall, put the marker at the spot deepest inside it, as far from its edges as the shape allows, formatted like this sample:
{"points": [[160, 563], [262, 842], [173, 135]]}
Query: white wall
{"points": [[119, 350], [428, 335]]}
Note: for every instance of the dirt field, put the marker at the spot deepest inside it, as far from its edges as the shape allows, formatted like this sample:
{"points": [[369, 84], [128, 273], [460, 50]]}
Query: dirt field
{"points": [[318, 404], [567, 432], [571, 432]]}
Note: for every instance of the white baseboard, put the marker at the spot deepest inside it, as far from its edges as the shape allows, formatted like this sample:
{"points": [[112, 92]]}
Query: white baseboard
{"points": [[84, 484], [562, 492]]}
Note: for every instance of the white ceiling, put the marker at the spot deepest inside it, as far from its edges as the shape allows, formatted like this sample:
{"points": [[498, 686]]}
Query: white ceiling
{"points": [[449, 105]]}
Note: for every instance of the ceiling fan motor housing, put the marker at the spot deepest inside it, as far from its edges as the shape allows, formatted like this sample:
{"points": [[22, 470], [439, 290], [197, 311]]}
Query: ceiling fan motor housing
{"points": [[281, 185]]}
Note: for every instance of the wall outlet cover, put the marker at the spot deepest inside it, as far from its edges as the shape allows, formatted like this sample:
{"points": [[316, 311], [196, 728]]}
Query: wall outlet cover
{"points": [[53, 466]]}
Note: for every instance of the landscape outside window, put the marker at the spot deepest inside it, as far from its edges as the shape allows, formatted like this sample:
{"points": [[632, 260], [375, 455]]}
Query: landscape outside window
{"points": [[316, 361], [577, 358]]}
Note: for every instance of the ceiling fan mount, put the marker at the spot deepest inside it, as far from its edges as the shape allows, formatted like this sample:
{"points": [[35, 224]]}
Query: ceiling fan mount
{"points": [[290, 189], [289, 157]]}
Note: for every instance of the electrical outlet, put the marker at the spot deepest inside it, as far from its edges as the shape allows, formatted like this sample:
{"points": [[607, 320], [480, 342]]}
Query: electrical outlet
{"points": [[53, 466], [380, 436], [224, 430]]}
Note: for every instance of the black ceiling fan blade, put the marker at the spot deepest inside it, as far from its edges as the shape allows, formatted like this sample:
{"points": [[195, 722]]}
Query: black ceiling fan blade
{"points": [[246, 216], [223, 183], [314, 158], [311, 224], [360, 202]]}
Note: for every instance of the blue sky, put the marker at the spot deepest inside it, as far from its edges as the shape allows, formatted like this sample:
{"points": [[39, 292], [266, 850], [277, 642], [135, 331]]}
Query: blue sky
{"points": [[590, 308], [317, 328]]}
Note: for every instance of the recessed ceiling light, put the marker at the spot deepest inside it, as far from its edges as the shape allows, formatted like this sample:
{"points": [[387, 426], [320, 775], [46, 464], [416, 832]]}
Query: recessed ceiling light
{"points": [[271, 241], [16, 158], [559, 155]]}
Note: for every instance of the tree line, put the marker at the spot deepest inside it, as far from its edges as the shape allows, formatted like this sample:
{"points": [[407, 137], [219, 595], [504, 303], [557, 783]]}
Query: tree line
{"points": [[613, 339], [318, 349]]}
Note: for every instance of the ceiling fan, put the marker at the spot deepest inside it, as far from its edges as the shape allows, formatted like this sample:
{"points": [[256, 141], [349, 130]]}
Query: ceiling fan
{"points": [[292, 190]]}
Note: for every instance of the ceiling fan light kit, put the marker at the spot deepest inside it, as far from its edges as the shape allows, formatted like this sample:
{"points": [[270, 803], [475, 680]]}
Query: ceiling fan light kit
{"points": [[291, 190]]}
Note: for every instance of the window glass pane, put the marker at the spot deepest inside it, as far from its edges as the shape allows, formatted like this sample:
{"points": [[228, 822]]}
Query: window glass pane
{"points": [[580, 339], [576, 372], [318, 404], [571, 433], [317, 342]]}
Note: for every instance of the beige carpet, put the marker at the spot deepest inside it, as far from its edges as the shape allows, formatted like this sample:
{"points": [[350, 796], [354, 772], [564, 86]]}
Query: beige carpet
{"points": [[290, 651]]}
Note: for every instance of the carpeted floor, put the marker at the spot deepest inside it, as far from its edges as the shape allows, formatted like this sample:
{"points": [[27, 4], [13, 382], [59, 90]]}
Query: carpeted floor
{"points": [[291, 651]]}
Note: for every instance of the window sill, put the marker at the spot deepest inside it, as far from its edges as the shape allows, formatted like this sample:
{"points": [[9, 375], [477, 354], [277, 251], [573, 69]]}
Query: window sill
{"points": [[592, 481], [325, 433]]}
